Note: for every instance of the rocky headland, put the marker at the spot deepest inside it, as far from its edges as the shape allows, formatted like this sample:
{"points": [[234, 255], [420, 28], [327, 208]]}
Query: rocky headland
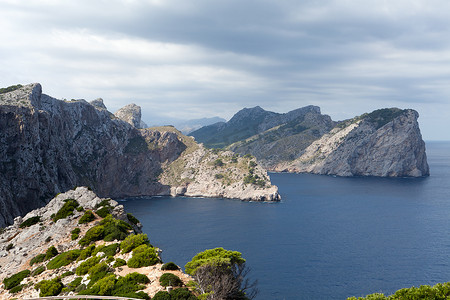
{"points": [[49, 146], [385, 142], [79, 244]]}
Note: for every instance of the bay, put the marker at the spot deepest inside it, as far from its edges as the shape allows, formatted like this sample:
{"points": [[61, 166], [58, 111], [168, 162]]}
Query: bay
{"points": [[329, 238]]}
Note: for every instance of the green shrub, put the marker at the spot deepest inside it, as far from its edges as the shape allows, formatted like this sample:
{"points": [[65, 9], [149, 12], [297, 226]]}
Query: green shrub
{"points": [[84, 267], [15, 279], [87, 217], [122, 286], [109, 229], [16, 289], [143, 256], [132, 219], [97, 272], [37, 259], [103, 203], [38, 271], [109, 250], [119, 263], [75, 233], [73, 285], [68, 273], [171, 266], [30, 221], [86, 252], [9, 247], [66, 210], [63, 259], [218, 176], [133, 241], [182, 294], [104, 211], [80, 208], [49, 287], [169, 279], [51, 252], [162, 295]]}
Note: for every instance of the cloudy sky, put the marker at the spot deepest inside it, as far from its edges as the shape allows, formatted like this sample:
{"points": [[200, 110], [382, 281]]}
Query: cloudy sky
{"points": [[201, 58]]}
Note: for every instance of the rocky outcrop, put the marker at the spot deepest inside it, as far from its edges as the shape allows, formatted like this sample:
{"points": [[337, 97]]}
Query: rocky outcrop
{"points": [[48, 146], [131, 114], [20, 244], [385, 143]]}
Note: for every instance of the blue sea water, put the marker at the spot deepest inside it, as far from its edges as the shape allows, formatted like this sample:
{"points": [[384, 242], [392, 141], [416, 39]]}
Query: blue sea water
{"points": [[329, 238]]}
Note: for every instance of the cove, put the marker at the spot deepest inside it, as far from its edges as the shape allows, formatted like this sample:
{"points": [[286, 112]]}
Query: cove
{"points": [[329, 238]]}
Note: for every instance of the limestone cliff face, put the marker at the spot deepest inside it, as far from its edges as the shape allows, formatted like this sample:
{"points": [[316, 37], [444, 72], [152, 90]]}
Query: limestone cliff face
{"points": [[131, 114], [384, 143], [48, 146]]}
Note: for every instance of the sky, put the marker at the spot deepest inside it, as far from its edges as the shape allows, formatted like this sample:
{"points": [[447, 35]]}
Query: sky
{"points": [[203, 58]]}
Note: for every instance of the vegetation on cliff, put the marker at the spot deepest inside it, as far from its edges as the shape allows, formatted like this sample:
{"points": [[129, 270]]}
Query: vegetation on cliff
{"points": [[440, 291]]}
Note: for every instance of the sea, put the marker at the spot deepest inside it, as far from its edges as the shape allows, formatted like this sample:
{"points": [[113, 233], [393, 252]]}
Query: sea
{"points": [[329, 238]]}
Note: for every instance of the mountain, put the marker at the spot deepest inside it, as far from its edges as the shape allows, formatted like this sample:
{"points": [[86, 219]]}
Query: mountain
{"points": [[386, 142], [48, 146], [247, 123]]}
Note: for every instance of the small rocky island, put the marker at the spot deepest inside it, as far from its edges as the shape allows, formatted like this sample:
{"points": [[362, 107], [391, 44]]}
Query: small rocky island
{"points": [[49, 146]]}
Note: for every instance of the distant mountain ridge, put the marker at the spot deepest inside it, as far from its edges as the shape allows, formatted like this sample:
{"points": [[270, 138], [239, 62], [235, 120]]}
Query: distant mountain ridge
{"points": [[386, 142]]}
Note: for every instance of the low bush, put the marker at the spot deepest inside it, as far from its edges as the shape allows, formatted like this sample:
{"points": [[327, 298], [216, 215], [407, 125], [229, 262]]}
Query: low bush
{"points": [[119, 263], [162, 295], [37, 259], [30, 221], [49, 287], [169, 279], [63, 259], [103, 203], [122, 286], [68, 273], [16, 289], [97, 272], [38, 271], [104, 211], [66, 210], [171, 266], [132, 219], [87, 217], [84, 267], [133, 241], [109, 229], [109, 250], [15, 279], [75, 233], [51, 252], [86, 252], [73, 285], [143, 256], [9, 247], [182, 294]]}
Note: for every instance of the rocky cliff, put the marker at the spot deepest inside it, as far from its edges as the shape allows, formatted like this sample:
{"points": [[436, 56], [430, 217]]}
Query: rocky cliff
{"points": [[48, 146], [53, 251], [385, 143]]}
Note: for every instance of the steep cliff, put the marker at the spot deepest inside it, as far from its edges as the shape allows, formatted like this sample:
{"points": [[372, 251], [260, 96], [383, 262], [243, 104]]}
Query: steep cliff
{"points": [[385, 143], [49, 146], [58, 246]]}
